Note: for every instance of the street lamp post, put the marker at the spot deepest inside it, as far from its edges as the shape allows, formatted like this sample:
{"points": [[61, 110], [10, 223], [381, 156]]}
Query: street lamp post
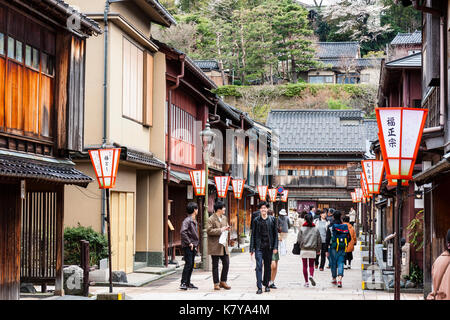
{"points": [[207, 139]]}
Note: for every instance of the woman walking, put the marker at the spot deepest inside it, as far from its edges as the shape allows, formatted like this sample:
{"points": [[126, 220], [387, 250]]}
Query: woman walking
{"points": [[310, 243], [322, 225]]}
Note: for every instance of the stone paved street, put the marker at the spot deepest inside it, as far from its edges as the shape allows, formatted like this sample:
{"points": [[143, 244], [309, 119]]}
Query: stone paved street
{"points": [[243, 282]]}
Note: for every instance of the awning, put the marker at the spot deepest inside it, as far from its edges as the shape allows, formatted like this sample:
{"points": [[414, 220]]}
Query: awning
{"points": [[15, 165], [429, 174]]}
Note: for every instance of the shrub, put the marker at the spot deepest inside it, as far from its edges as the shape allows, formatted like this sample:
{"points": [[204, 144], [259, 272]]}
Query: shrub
{"points": [[98, 245], [230, 90], [336, 104]]}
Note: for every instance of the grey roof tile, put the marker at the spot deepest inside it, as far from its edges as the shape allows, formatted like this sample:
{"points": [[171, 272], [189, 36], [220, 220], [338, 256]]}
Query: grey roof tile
{"points": [[337, 50], [407, 38]]}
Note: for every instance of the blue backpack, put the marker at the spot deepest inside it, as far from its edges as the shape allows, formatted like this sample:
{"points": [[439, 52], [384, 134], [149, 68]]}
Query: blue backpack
{"points": [[339, 237]]}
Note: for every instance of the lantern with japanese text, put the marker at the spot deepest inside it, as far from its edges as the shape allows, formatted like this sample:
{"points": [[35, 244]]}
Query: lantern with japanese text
{"points": [[273, 194], [222, 184], [262, 191], [238, 188], [359, 195], [353, 194], [105, 162], [373, 174], [400, 131], [284, 195], [198, 179]]}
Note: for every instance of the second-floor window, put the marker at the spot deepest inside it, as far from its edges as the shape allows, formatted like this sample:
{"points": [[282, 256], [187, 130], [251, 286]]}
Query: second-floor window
{"points": [[137, 83], [182, 134]]}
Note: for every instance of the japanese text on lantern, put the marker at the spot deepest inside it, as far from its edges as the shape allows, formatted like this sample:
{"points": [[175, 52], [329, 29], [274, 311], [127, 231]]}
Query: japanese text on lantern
{"points": [[391, 132]]}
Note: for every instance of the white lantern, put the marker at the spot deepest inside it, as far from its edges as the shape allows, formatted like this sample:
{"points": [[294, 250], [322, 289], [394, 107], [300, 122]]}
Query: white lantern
{"points": [[273, 194], [262, 191], [198, 179], [222, 184], [106, 163], [238, 188], [373, 174]]}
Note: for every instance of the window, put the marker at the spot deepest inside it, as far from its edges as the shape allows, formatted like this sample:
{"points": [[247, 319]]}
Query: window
{"points": [[351, 78], [182, 135], [132, 82], [281, 172], [331, 173], [341, 173], [2, 43], [304, 173], [320, 79], [318, 173], [292, 172], [11, 48], [48, 66]]}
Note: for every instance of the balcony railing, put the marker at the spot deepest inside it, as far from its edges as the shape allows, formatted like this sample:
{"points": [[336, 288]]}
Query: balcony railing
{"points": [[432, 103], [311, 181]]}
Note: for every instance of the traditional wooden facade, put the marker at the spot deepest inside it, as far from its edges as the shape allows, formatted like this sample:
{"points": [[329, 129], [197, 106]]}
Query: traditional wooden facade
{"points": [[41, 100], [320, 154], [433, 158]]}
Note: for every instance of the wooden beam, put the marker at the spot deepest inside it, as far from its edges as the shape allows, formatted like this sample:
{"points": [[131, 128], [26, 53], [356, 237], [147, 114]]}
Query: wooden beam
{"points": [[59, 285]]}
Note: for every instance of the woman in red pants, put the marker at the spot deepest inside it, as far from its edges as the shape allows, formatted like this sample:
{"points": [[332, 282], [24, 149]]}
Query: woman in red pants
{"points": [[310, 243]]}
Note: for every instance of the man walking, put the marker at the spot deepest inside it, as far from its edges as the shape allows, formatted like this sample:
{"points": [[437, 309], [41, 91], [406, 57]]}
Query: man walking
{"points": [[263, 243], [338, 238], [189, 243], [217, 224]]}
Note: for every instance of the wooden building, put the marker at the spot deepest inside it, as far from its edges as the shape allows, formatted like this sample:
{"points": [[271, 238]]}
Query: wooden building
{"points": [[41, 99], [319, 155], [433, 179]]}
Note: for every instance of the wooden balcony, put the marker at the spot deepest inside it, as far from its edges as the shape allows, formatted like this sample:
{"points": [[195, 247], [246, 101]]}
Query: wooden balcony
{"points": [[310, 181], [432, 102]]}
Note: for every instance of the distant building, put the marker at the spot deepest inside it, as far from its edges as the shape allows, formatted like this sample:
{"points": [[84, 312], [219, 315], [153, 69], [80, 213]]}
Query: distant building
{"points": [[212, 69], [404, 44], [341, 62], [319, 155]]}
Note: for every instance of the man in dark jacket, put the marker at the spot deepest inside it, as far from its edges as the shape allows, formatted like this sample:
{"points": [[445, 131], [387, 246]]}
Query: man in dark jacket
{"points": [[189, 243], [255, 214], [264, 243]]}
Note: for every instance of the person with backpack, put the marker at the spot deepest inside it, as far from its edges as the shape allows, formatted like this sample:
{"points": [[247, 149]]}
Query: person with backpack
{"points": [[338, 238], [351, 245], [310, 243]]}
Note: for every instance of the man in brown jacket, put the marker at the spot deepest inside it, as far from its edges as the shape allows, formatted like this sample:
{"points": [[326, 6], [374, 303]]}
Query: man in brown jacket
{"points": [[189, 243], [217, 224]]}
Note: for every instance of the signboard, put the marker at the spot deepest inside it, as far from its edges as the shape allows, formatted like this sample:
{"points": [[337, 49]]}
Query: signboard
{"points": [[390, 255], [198, 179], [262, 191], [190, 192], [22, 189], [222, 184], [273, 195], [105, 162], [238, 188]]}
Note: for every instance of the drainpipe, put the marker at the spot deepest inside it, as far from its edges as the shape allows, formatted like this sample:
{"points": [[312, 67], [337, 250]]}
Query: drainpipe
{"points": [[442, 72], [166, 185]]}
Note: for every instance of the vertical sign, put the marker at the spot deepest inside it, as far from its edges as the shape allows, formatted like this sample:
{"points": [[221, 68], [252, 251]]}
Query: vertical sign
{"points": [[222, 184]]}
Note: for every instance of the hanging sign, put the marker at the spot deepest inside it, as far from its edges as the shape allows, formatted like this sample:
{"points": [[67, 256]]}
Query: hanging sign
{"points": [[106, 163], [373, 173], [262, 191], [353, 194], [284, 196], [359, 194], [198, 179], [222, 184], [273, 194], [238, 187], [400, 130]]}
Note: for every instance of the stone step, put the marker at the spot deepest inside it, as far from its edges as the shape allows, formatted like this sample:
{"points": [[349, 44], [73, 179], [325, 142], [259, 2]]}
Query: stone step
{"points": [[369, 285], [139, 265]]}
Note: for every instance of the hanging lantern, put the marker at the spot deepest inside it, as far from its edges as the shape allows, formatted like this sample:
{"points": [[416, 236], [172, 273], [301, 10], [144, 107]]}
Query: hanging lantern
{"points": [[284, 196], [273, 194], [106, 163], [353, 194], [262, 191], [373, 174], [400, 131], [222, 184], [198, 179], [363, 187], [393, 183], [238, 188], [359, 194]]}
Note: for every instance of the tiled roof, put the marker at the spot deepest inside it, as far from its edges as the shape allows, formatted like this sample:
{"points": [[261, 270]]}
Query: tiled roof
{"points": [[407, 38], [207, 65], [411, 61], [360, 63], [319, 131], [328, 50], [371, 129], [18, 167]]}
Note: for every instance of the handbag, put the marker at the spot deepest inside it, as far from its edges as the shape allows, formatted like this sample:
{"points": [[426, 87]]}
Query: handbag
{"points": [[296, 250]]}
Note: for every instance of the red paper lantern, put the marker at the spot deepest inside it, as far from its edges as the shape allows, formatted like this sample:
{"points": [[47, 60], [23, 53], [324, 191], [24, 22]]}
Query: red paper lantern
{"points": [[273, 194], [222, 184], [238, 188], [393, 183], [198, 179], [359, 194], [400, 132], [262, 191], [353, 194], [284, 196], [363, 187], [106, 163], [373, 175]]}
